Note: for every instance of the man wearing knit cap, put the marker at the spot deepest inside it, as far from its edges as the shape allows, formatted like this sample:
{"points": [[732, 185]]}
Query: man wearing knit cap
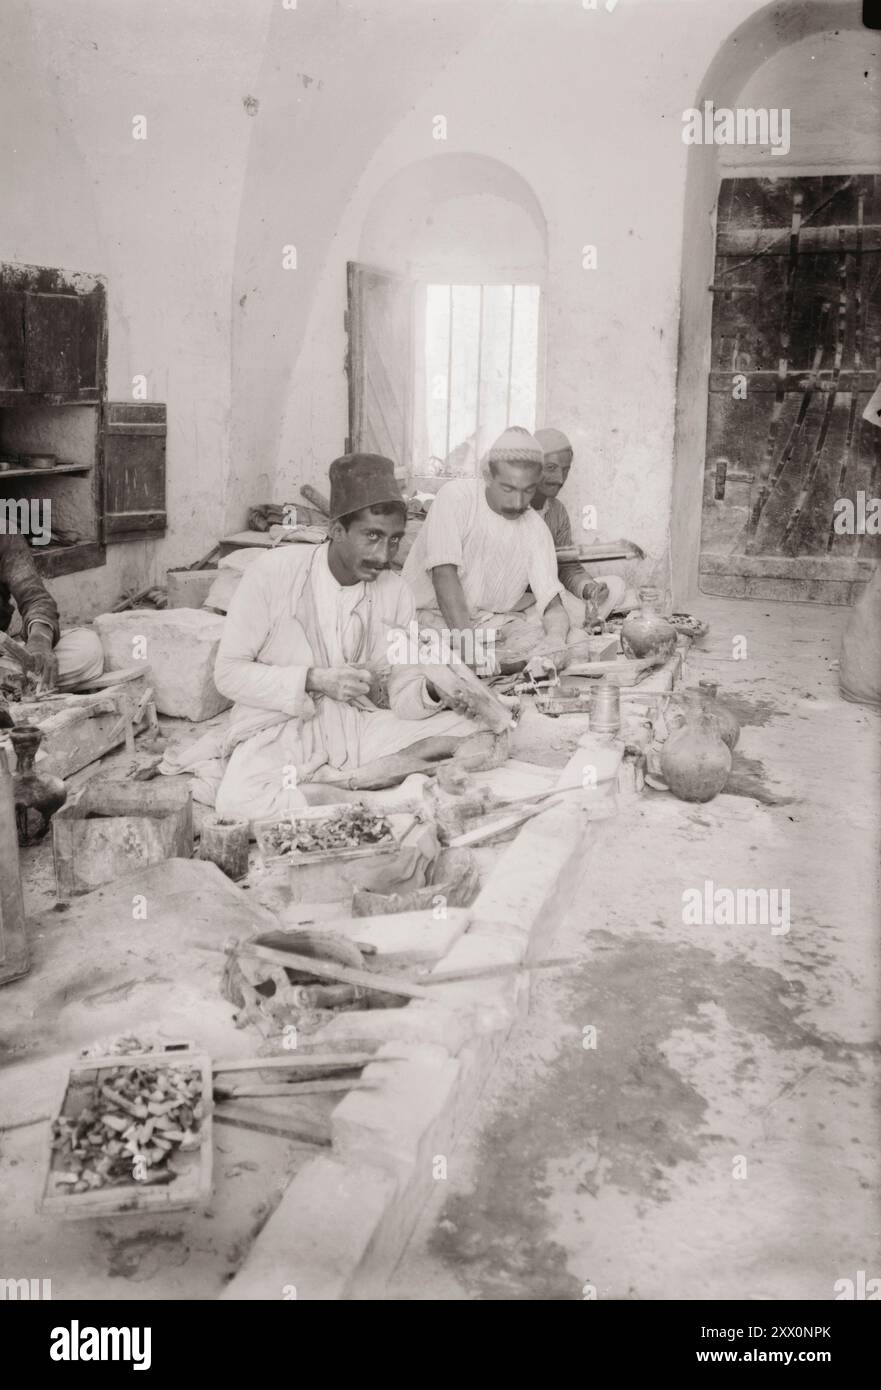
{"points": [[483, 544], [600, 596], [305, 656]]}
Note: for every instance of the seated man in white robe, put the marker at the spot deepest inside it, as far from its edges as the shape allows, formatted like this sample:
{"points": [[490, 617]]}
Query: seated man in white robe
{"points": [[306, 653], [585, 597], [481, 546]]}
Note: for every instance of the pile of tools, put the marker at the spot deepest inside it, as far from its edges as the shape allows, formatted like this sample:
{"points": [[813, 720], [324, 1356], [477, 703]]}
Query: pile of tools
{"points": [[282, 975]]}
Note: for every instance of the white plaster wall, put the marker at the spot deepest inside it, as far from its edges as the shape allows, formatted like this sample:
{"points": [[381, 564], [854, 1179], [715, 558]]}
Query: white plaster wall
{"points": [[831, 83], [157, 217], [189, 226], [459, 219], [587, 108]]}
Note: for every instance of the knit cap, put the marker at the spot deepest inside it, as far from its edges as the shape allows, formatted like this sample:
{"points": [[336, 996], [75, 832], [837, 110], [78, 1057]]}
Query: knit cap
{"points": [[553, 441], [515, 445]]}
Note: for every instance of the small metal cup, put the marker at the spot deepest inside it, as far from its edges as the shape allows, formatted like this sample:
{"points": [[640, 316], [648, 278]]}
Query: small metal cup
{"points": [[605, 708]]}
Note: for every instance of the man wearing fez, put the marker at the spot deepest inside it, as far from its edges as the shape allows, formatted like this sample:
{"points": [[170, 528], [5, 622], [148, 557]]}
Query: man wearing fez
{"points": [[305, 656]]}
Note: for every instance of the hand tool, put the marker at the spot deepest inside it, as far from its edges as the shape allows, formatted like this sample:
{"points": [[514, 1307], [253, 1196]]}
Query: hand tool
{"points": [[388, 984]]}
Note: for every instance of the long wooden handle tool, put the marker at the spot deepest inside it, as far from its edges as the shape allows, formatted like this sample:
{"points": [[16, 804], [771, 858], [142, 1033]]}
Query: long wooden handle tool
{"points": [[330, 970], [489, 972], [316, 1060]]}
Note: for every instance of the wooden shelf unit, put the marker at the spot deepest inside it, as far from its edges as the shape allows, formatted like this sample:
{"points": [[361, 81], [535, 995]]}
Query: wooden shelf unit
{"points": [[53, 400], [45, 472]]}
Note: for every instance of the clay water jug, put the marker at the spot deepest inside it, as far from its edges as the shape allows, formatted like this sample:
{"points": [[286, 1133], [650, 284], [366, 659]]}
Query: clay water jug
{"points": [[37, 795], [689, 704], [695, 762], [727, 722], [646, 632]]}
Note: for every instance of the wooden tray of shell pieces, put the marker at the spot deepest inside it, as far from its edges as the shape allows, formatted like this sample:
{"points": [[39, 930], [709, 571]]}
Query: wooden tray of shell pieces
{"points": [[132, 1135]]}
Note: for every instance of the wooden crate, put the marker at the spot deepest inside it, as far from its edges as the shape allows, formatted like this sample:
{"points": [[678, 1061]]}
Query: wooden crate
{"points": [[79, 729], [191, 1188], [325, 875], [109, 829]]}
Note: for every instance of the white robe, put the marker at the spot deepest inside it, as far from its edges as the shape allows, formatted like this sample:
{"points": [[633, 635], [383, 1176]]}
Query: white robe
{"points": [[290, 614]]}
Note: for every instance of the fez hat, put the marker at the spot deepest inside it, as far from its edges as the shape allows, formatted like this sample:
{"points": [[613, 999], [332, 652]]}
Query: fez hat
{"points": [[553, 442], [361, 480]]}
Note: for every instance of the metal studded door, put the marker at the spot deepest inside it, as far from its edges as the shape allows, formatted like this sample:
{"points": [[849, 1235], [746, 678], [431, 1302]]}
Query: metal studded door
{"points": [[796, 355]]}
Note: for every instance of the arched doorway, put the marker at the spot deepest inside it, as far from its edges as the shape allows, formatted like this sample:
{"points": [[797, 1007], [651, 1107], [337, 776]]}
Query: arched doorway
{"points": [[763, 444]]}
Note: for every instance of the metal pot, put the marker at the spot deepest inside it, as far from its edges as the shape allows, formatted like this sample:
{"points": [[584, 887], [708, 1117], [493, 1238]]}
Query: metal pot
{"points": [[38, 460]]}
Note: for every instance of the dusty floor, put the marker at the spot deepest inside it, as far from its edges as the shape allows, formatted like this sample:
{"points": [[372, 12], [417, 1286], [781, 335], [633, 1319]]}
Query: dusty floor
{"points": [[721, 1139], [96, 972]]}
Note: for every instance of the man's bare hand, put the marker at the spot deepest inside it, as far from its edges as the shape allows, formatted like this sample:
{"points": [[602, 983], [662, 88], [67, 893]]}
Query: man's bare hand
{"points": [[462, 702], [344, 683], [44, 662], [596, 592], [545, 657]]}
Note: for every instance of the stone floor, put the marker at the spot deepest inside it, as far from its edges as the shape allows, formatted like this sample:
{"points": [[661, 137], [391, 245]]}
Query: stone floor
{"points": [[721, 1138]]}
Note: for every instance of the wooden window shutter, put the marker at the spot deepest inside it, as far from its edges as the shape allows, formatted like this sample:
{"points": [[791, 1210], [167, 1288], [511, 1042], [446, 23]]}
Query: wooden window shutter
{"points": [[379, 363], [134, 471]]}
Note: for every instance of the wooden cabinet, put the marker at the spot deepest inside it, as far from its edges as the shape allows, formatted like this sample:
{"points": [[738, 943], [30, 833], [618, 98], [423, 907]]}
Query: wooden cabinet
{"points": [[53, 336], [109, 485]]}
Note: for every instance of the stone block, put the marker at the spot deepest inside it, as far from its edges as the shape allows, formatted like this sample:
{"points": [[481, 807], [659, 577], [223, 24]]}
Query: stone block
{"points": [[188, 588], [393, 1124], [481, 950], [418, 1022], [318, 1234], [532, 883], [417, 938], [179, 646]]}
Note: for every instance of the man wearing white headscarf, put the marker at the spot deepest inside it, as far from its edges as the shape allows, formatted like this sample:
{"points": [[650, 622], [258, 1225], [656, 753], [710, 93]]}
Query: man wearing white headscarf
{"points": [[481, 547], [602, 596]]}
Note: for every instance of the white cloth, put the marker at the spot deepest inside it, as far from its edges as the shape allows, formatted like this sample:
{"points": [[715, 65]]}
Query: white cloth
{"points": [[290, 614], [337, 603], [80, 657], [497, 557]]}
